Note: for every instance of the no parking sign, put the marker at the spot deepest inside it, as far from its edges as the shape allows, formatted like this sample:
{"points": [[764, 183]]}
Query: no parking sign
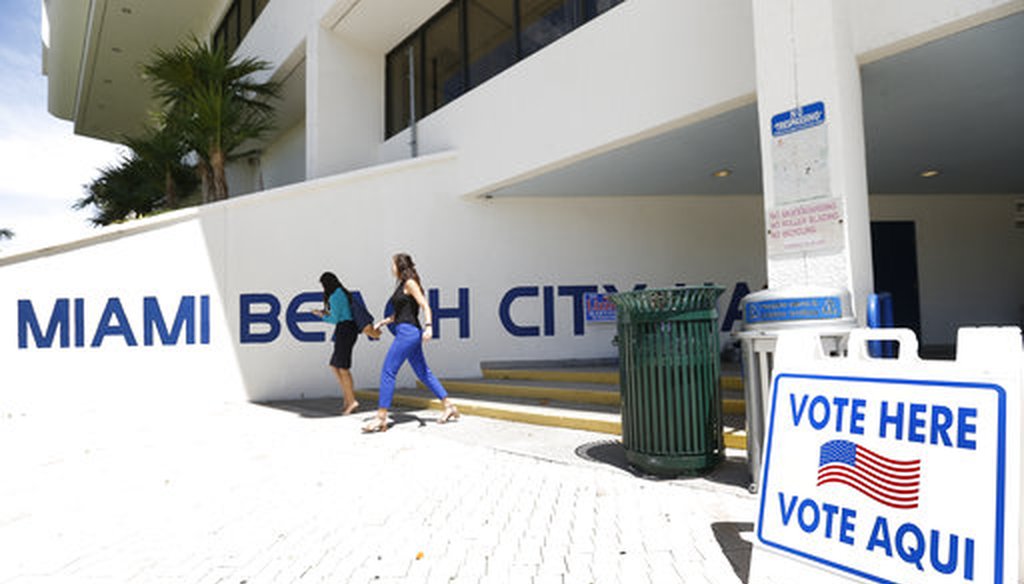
{"points": [[893, 470]]}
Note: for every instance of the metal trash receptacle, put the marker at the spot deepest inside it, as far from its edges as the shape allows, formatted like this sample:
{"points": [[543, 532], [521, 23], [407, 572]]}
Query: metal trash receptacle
{"points": [[766, 313], [669, 378]]}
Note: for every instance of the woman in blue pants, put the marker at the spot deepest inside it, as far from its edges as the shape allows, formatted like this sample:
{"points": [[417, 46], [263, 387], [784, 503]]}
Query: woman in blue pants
{"points": [[407, 301]]}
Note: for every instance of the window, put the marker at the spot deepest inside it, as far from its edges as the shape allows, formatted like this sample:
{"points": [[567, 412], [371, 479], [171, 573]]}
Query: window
{"points": [[236, 23], [398, 87], [493, 45], [544, 21], [231, 26], [592, 8], [470, 41], [443, 74]]}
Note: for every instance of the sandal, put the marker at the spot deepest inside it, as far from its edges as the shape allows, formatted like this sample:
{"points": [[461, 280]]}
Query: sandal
{"points": [[451, 413], [377, 424]]}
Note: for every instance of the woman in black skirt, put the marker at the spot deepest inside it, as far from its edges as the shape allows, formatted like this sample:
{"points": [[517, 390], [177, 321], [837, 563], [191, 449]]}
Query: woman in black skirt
{"points": [[338, 310]]}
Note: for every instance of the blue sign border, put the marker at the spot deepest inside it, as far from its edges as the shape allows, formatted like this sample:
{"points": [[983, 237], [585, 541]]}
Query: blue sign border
{"points": [[598, 316], [785, 309], [1000, 468], [803, 118]]}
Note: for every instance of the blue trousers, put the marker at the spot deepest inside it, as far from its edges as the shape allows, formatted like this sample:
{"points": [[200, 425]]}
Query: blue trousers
{"points": [[407, 346]]}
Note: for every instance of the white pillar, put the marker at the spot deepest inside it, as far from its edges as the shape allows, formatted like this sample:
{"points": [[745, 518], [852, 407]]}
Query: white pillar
{"points": [[815, 182], [344, 104]]}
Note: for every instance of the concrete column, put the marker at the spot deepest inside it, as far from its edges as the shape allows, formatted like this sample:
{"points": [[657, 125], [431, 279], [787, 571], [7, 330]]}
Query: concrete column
{"points": [[815, 181], [344, 104]]}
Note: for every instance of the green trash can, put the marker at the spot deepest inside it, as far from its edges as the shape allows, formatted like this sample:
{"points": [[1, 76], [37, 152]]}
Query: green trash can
{"points": [[668, 376]]}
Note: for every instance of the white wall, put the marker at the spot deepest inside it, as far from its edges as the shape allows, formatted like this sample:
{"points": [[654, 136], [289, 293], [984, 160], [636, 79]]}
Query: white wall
{"points": [[284, 161], [278, 243], [882, 27], [637, 70], [970, 259], [344, 106]]}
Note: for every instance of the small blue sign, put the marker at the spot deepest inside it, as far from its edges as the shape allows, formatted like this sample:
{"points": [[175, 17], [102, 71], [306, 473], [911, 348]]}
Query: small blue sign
{"points": [[793, 309], [801, 118], [598, 307]]}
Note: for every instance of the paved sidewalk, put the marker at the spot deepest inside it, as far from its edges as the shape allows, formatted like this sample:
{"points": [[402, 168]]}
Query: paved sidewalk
{"points": [[235, 492]]}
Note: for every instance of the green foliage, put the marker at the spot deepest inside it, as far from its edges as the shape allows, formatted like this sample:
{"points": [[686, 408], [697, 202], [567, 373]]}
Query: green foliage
{"points": [[212, 103], [125, 190], [211, 106], [151, 178]]}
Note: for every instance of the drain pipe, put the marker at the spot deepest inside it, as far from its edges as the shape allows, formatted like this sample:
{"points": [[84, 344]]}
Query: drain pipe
{"points": [[413, 145]]}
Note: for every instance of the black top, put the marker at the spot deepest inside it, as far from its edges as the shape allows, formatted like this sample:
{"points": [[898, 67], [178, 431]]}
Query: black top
{"points": [[406, 308]]}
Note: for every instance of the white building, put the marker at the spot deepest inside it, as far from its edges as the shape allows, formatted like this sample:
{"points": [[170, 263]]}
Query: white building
{"points": [[559, 147]]}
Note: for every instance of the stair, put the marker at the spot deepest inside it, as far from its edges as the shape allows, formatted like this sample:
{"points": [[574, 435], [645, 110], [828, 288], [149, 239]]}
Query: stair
{"points": [[582, 397]]}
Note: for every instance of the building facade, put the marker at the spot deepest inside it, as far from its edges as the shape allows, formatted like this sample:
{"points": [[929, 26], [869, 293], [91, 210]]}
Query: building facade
{"points": [[526, 153]]}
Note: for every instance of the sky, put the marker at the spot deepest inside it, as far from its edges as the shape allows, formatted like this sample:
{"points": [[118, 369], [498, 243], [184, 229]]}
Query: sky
{"points": [[43, 164]]}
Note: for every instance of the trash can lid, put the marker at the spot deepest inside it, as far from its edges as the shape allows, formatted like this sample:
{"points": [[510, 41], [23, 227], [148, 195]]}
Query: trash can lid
{"points": [[667, 301], [797, 306]]}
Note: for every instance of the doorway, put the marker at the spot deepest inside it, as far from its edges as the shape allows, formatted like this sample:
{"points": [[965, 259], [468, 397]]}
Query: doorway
{"points": [[894, 260]]}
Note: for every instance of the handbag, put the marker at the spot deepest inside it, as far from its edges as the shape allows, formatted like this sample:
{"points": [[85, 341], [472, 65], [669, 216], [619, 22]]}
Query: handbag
{"points": [[360, 315]]}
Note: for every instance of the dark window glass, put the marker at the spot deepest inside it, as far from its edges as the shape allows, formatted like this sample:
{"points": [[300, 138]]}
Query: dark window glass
{"points": [[220, 37], [246, 16], [542, 22], [257, 8], [592, 8], [398, 89], [491, 28], [231, 25], [443, 75]]}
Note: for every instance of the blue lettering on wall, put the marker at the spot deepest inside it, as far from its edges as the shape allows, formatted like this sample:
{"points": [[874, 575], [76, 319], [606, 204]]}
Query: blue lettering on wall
{"points": [[260, 318], [505, 311], [184, 320], [268, 317], [111, 312], [293, 317], [460, 312], [549, 311], [58, 324], [67, 323], [578, 310], [733, 313]]}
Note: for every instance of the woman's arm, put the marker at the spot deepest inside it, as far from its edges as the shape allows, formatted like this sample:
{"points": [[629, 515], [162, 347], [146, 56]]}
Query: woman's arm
{"points": [[413, 289]]}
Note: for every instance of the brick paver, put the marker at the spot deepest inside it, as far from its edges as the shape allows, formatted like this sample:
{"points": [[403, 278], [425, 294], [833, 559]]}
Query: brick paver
{"points": [[207, 492]]}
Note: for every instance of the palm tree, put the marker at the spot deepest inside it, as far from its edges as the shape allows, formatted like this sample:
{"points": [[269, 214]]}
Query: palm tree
{"points": [[6, 233], [162, 153], [212, 102], [123, 191], [151, 177]]}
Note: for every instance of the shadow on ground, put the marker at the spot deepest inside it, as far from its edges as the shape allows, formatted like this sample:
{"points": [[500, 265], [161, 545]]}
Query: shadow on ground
{"points": [[736, 549], [731, 471], [331, 408]]}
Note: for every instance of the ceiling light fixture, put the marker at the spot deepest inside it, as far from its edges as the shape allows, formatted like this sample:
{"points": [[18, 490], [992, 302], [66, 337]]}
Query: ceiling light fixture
{"points": [[930, 173], [721, 173]]}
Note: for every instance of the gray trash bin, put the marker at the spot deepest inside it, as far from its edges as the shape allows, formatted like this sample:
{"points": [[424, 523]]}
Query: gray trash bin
{"points": [[827, 311]]}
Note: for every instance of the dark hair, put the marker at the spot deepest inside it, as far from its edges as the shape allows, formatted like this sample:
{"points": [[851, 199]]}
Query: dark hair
{"points": [[406, 268], [330, 282]]}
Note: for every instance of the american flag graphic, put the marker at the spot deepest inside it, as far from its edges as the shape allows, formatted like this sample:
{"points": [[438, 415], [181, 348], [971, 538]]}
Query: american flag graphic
{"points": [[891, 482]]}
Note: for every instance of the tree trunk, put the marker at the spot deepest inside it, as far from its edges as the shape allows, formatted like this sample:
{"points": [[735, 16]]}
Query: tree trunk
{"points": [[220, 179], [206, 179], [170, 190]]}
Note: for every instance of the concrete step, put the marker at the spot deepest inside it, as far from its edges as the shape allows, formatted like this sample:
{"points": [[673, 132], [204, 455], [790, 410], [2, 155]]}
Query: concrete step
{"points": [[538, 408], [600, 371], [556, 387]]}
